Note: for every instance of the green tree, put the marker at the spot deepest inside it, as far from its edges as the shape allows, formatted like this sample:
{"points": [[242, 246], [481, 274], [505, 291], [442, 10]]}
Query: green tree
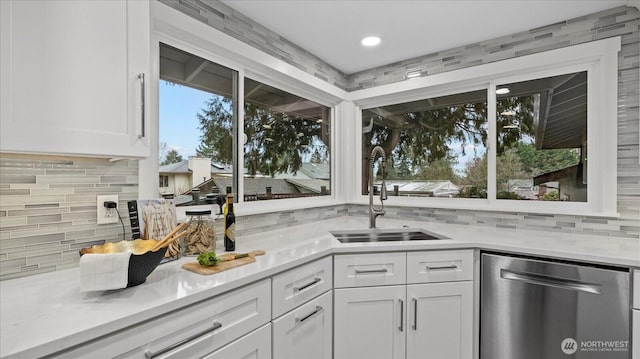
{"points": [[508, 167], [172, 157], [439, 170], [216, 125], [475, 173], [276, 141], [537, 162]]}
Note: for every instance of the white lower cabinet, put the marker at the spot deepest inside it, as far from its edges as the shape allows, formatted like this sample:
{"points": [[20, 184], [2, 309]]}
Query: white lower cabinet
{"points": [[303, 311], [255, 345], [190, 332], [305, 332], [433, 319], [635, 339], [440, 320], [369, 323]]}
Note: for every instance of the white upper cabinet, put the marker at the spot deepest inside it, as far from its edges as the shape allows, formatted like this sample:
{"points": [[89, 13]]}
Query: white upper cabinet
{"points": [[71, 78]]}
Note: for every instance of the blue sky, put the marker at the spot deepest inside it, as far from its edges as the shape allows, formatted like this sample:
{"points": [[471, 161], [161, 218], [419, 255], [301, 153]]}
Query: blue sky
{"points": [[178, 122]]}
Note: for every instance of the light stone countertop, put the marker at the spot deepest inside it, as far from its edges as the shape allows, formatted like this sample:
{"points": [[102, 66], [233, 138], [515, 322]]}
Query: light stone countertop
{"points": [[46, 313]]}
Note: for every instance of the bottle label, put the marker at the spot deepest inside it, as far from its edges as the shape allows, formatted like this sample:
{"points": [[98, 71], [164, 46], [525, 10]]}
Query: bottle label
{"points": [[230, 232]]}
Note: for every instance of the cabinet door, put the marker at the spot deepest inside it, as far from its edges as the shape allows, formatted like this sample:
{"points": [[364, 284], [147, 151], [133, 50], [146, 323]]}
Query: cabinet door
{"points": [[69, 81], [440, 320], [305, 332], [635, 339], [369, 323], [255, 345]]}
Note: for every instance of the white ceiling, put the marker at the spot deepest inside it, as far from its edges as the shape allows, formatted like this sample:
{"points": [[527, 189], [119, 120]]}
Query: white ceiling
{"points": [[332, 29]]}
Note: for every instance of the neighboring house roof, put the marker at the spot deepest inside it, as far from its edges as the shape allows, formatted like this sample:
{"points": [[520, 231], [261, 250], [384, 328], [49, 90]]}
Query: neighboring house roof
{"points": [[309, 185], [435, 188], [178, 167], [316, 170], [183, 167]]}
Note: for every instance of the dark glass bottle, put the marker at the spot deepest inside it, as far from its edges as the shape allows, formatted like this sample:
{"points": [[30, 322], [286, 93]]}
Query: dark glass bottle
{"points": [[229, 226]]}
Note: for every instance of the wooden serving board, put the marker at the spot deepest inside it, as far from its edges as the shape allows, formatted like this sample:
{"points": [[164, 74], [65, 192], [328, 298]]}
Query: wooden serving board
{"points": [[222, 266]]}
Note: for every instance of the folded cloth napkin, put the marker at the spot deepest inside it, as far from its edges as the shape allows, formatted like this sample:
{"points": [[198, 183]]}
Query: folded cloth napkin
{"points": [[104, 271]]}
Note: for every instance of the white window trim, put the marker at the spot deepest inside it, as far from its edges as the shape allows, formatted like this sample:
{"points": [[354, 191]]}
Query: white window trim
{"points": [[181, 31], [176, 29], [599, 58]]}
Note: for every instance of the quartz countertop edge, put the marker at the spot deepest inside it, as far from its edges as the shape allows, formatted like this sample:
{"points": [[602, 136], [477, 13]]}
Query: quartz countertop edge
{"points": [[57, 316]]}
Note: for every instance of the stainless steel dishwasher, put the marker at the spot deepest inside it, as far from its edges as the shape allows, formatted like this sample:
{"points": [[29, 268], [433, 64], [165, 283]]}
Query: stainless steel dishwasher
{"points": [[539, 309]]}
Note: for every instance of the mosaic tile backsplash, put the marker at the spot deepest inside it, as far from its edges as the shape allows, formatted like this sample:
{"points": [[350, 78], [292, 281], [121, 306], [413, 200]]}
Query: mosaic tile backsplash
{"points": [[48, 203], [48, 209]]}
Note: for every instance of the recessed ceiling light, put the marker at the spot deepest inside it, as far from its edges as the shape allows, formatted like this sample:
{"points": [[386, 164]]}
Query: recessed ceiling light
{"points": [[370, 41], [502, 91]]}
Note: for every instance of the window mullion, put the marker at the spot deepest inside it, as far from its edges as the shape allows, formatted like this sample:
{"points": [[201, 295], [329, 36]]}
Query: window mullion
{"points": [[239, 137], [491, 144]]}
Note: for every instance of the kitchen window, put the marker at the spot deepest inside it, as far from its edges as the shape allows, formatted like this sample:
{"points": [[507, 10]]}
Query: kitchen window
{"points": [[283, 152], [287, 144], [436, 147], [542, 139], [546, 142], [197, 115]]}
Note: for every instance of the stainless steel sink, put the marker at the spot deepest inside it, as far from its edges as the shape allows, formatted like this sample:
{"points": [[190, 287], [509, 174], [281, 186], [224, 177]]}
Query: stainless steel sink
{"points": [[385, 235]]}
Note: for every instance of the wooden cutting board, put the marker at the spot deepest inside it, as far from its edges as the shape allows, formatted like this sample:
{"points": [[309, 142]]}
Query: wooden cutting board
{"points": [[222, 266]]}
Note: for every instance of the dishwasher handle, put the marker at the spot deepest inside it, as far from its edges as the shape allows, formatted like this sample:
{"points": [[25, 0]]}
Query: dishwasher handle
{"points": [[549, 281]]}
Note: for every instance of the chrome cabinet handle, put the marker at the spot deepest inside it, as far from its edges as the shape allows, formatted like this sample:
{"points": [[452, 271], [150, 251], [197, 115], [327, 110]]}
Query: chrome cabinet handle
{"points": [[361, 271], [401, 327], [415, 313], [314, 282], [142, 105], [442, 267], [151, 355], [316, 311], [550, 281]]}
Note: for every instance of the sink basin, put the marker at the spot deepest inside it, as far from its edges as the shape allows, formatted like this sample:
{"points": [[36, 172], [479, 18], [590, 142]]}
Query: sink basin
{"points": [[385, 235]]}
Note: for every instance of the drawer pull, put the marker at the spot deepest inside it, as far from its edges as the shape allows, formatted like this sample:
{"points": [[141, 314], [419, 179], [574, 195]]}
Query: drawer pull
{"points": [[401, 327], [151, 355], [415, 313], [442, 267], [364, 271], [316, 311], [314, 282]]}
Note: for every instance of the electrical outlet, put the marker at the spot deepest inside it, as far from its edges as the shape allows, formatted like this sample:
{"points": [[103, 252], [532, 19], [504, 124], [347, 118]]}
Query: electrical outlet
{"points": [[107, 215]]}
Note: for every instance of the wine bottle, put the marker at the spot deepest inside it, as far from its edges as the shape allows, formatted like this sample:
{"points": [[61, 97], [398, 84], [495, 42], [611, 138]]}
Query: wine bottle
{"points": [[229, 226], [224, 213]]}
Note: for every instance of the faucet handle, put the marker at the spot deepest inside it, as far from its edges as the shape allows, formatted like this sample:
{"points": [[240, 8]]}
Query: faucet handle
{"points": [[383, 191]]}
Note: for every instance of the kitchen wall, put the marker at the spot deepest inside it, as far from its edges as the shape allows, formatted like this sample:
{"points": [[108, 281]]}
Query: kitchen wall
{"points": [[48, 209], [47, 203], [227, 20]]}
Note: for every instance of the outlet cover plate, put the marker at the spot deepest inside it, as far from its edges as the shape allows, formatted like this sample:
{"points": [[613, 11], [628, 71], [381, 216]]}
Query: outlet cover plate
{"points": [[107, 215]]}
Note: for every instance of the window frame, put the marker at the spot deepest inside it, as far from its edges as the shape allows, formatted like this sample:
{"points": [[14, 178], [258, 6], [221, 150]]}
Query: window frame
{"points": [[180, 31], [598, 59]]}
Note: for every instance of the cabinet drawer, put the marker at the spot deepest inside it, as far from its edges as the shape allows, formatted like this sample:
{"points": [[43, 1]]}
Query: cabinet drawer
{"points": [[363, 270], [439, 266], [190, 332], [636, 289], [255, 345], [296, 286], [305, 332]]}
